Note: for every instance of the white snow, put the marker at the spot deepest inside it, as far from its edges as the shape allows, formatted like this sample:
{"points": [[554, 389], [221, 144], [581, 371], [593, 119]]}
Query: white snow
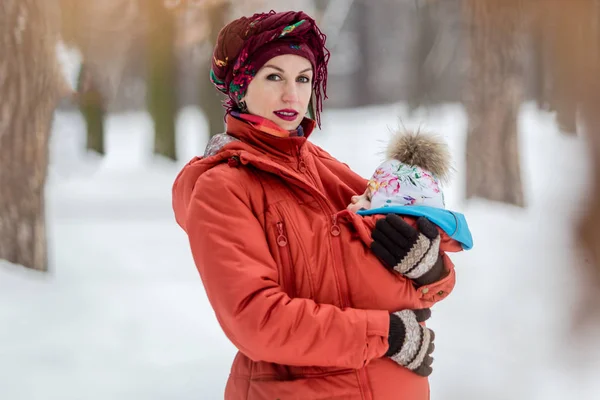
{"points": [[122, 313]]}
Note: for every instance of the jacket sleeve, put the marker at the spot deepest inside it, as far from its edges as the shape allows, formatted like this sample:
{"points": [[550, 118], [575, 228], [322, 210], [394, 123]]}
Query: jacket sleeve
{"points": [[240, 277], [432, 292], [447, 244]]}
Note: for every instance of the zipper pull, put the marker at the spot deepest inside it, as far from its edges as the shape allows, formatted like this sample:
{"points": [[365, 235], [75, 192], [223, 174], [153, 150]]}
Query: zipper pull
{"points": [[335, 228], [302, 166], [281, 239], [301, 163]]}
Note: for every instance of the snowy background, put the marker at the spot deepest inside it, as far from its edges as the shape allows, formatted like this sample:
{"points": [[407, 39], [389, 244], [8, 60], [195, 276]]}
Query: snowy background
{"points": [[122, 313]]}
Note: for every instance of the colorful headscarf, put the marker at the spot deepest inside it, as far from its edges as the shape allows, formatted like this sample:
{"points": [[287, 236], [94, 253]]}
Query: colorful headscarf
{"points": [[246, 44]]}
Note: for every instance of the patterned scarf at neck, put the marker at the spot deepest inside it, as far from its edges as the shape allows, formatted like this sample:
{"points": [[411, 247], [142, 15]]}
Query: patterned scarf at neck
{"points": [[268, 126]]}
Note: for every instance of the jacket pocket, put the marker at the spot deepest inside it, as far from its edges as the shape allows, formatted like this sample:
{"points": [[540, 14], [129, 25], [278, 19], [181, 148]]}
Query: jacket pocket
{"points": [[286, 273]]}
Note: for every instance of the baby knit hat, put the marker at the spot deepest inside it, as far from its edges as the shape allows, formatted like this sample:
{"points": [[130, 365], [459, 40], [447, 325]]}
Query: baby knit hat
{"points": [[416, 165]]}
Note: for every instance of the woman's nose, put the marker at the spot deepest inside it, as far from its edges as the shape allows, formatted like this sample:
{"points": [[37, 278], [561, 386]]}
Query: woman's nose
{"points": [[290, 93]]}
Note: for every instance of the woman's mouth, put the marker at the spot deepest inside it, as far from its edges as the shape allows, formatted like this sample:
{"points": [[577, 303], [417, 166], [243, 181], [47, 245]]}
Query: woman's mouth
{"points": [[286, 115]]}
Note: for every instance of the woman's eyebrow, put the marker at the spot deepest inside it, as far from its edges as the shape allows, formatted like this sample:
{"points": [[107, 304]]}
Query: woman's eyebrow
{"points": [[281, 70], [274, 67]]}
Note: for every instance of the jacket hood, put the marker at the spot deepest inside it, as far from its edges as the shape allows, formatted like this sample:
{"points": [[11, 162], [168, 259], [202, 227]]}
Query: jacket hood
{"points": [[185, 181], [242, 141]]}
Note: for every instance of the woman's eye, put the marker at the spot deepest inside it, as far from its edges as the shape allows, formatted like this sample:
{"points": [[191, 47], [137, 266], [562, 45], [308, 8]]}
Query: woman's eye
{"points": [[274, 77], [303, 79]]}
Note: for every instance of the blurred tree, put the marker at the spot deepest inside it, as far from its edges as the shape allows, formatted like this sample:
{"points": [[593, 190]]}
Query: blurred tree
{"points": [[565, 69], [579, 31], [589, 84], [570, 37], [436, 63], [494, 92], [360, 75], [92, 106], [103, 33], [162, 75], [427, 31], [320, 8], [88, 97], [31, 83], [540, 65], [211, 99], [587, 226]]}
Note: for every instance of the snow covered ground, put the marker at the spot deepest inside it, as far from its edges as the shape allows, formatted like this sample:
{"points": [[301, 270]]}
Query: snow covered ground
{"points": [[122, 314]]}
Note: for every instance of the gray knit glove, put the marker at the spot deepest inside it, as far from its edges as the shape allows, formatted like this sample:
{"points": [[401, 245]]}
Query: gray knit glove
{"points": [[409, 251], [411, 344]]}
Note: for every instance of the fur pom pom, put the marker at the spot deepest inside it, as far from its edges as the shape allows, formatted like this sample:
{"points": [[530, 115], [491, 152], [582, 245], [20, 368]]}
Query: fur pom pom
{"points": [[422, 149]]}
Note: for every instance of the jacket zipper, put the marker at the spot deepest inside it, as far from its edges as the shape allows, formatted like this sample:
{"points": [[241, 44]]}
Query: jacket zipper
{"points": [[288, 274], [301, 163], [335, 231], [303, 168], [336, 247]]}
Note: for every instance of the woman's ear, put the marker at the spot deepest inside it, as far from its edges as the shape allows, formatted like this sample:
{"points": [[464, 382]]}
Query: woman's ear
{"points": [[242, 105]]}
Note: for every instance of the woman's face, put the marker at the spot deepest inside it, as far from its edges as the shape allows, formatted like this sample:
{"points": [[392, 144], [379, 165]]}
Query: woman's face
{"points": [[281, 90]]}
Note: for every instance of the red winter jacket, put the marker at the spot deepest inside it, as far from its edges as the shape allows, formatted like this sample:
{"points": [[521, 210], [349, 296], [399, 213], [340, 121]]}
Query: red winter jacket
{"points": [[261, 220]]}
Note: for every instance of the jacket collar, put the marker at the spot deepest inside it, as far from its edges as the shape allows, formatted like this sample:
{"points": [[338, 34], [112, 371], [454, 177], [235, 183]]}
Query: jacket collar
{"points": [[286, 147]]}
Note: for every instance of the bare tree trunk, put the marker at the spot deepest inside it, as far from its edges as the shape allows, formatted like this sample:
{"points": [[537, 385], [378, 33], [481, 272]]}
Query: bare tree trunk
{"points": [[30, 85], [91, 105], [424, 81], [162, 77], [541, 66], [493, 97], [211, 100], [361, 84], [586, 230], [586, 15], [564, 35], [572, 35], [105, 33], [588, 226]]}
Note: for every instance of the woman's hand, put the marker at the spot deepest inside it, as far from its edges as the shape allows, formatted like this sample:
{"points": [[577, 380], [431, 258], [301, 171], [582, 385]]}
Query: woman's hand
{"points": [[410, 343], [411, 252]]}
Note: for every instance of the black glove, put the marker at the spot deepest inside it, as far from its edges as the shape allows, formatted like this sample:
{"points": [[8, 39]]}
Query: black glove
{"points": [[408, 251], [411, 344]]}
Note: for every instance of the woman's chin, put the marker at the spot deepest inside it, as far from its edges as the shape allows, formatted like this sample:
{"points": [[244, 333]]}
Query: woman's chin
{"points": [[289, 126]]}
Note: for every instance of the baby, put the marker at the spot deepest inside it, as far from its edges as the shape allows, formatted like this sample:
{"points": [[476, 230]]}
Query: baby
{"points": [[409, 183]]}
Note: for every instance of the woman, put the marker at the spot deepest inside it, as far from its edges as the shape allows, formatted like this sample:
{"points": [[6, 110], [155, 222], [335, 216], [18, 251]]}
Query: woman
{"points": [[259, 210]]}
